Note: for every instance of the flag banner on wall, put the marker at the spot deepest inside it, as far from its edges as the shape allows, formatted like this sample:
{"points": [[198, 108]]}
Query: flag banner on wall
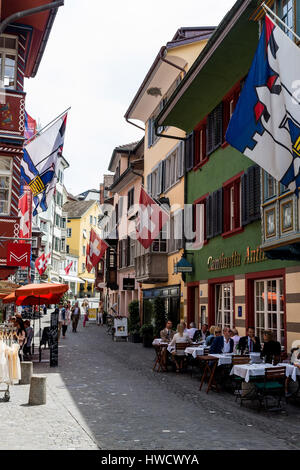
{"points": [[41, 263], [67, 268], [151, 219], [95, 250], [25, 216], [265, 125], [39, 164], [30, 126]]}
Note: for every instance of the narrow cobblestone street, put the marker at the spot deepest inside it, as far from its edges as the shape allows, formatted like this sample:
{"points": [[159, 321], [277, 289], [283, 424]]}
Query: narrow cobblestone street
{"points": [[105, 395]]}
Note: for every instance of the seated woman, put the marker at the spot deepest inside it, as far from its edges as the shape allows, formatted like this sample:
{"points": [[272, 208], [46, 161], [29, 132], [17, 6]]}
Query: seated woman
{"points": [[236, 338], [295, 354], [179, 337], [211, 335], [271, 349]]}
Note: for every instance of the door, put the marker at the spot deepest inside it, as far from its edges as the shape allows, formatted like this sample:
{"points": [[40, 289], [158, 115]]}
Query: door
{"points": [[224, 305]]}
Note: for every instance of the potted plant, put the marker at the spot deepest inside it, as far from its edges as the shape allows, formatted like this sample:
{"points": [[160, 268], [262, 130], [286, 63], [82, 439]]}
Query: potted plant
{"points": [[146, 332], [134, 321]]}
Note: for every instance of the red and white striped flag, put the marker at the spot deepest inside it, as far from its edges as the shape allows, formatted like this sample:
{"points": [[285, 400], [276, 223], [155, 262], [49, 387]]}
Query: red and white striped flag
{"points": [[151, 219], [67, 268]]}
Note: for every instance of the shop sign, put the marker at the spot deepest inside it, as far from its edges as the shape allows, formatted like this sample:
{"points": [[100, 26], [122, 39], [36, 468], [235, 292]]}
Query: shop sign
{"points": [[128, 283], [18, 254], [236, 259]]}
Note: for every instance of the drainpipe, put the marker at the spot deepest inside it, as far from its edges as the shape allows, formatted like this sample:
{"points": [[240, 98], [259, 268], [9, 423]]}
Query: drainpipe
{"points": [[136, 125], [31, 11]]}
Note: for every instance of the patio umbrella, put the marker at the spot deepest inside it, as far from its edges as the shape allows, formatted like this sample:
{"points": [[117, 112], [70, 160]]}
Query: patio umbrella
{"points": [[38, 290]]}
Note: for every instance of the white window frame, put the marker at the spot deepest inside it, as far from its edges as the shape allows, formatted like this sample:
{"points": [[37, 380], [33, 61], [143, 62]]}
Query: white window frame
{"points": [[266, 313], [7, 174], [3, 53], [220, 309]]}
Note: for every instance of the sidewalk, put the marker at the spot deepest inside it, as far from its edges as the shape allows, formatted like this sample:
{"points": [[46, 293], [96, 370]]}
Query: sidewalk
{"points": [[56, 425]]}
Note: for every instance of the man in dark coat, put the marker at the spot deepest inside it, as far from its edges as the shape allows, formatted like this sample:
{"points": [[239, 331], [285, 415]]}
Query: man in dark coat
{"points": [[249, 343], [222, 344]]}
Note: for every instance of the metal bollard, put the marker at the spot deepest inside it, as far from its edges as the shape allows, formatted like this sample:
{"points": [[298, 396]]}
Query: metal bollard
{"points": [[26, 372], [37, 392]]}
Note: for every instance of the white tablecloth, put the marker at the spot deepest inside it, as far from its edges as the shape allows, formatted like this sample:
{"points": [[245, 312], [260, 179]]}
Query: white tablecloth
{"points": [[195, 351], [223, 358], [249, 370]]}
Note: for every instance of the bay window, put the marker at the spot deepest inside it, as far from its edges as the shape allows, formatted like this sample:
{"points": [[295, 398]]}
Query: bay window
{"points": [[8, 61]]}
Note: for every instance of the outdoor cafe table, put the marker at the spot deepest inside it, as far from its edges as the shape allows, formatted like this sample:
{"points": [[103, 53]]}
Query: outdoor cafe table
{"points": [[251, 370], [195, 350]]}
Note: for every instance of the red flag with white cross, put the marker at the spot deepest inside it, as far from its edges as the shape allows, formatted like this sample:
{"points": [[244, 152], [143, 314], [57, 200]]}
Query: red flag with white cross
{"points": [[67, 268], [151, 219], [95, 250]]}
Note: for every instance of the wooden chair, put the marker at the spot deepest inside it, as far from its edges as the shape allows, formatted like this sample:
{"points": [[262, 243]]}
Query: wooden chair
{"points": [[179, 355], [272, 386], [237, 381], [211, 363]]}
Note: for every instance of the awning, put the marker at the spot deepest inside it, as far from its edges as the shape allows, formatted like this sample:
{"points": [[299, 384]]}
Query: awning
{"points": [[225, 60], [72, 279], [90, 281]]}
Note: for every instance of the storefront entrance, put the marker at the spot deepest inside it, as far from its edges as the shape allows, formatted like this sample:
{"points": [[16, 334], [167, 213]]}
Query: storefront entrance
{"points": [[171, 296]]}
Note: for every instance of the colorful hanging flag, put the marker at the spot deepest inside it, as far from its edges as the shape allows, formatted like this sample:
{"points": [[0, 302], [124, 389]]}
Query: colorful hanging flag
{"points": [[39, 164], [265, 125], [67, 268], [30, 126], [95, 250], [150, 221], [25, 216], [41, 263]]}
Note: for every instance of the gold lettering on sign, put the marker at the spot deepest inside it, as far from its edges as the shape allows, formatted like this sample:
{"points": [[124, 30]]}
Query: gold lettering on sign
{"points": [[225, 262]]}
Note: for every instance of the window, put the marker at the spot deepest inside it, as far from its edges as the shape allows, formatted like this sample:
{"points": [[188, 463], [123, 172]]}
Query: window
{"points": [[5, 184], [200, 145], [269, 310], [8, 61], [214, 214], [270, 186], [160, 243], [91, 220], [83, 267], [232, 206], [171, 173], [229, 104], [214, 129], [286, 13], [224, 305], [83, 250], [95, 220], [69, 232], [130, 198], [251, 195], [63, 244]]}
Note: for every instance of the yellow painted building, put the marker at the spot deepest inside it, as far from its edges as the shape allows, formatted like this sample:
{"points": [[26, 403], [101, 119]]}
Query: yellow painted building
{"points": [[164, 169], [82, 217]]}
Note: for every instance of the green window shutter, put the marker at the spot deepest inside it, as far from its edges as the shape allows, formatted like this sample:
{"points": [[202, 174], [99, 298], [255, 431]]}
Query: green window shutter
{"points": [[209, 217], [214, 129], [245, 199], [189, 151], [217, 212], [149, 180]]}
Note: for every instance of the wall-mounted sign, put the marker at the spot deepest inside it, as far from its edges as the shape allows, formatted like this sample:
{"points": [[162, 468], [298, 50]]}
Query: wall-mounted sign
{"points": [[235, 260], [18, 254], [240, 311], [128, 283]]}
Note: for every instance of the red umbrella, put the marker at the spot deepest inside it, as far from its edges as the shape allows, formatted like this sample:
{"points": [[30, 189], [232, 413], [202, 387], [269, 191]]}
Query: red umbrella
{"points": [[36, 294]]}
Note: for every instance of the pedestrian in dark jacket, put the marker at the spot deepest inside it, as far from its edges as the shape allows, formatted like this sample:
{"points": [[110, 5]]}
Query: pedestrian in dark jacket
{"points": [[249, 343]]}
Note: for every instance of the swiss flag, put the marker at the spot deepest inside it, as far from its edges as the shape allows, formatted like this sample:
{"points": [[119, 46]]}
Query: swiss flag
{"points": [[25, 216], [41, 263], [67, 268], [95, 250], [151, 219]]}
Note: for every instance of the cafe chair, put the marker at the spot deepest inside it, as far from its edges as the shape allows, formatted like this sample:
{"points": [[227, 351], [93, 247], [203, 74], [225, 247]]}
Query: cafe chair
{"points": [[237, 381], [179, 355], [273, 386]]}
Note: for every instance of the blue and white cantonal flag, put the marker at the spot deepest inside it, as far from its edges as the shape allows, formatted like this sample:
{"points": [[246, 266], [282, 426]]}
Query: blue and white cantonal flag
{"points": [[265, 125], [39, 164]]}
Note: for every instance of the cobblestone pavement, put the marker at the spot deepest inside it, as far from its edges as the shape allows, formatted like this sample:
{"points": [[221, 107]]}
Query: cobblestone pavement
{"points": [[105, 392]]}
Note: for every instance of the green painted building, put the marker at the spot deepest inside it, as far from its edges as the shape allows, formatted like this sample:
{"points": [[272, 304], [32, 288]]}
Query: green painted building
{"points": [[242, 216]]}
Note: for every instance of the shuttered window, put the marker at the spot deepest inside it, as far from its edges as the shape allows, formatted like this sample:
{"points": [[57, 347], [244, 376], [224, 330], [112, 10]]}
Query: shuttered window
{"points": [[214, 214], [200, 155], [214, 129], [189, 151], [232, 221], [251, 195]]}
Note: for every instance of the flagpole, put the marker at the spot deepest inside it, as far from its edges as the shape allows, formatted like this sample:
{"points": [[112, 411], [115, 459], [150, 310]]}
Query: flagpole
{"points": [[48, 125], [265, 7]]}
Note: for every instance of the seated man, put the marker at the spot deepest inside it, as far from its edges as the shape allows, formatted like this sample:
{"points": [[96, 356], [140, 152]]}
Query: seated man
{"points": [[222, 344], [192, 330], [202, 334], [249, 343], [167, 333], [272, 349]]}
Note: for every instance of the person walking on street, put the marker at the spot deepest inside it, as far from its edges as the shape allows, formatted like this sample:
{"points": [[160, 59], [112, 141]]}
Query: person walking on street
{"points": [[75, 315], [29, 338], [100, 314]]}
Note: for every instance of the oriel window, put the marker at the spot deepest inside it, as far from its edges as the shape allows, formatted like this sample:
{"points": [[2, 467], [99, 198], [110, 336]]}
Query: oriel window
{"points": [[8, 61]]}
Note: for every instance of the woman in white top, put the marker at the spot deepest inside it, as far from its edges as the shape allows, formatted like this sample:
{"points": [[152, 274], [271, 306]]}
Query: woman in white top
{"points": [[179, 337]]}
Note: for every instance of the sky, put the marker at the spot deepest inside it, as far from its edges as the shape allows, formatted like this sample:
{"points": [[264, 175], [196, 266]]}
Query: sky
{"points": [[96, 58]]}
